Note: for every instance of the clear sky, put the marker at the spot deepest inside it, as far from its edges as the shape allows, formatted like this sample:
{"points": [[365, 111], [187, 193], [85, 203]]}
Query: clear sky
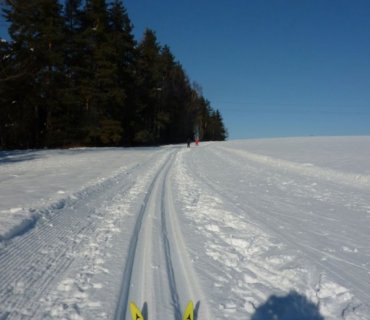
{"points": [[272, 67]]}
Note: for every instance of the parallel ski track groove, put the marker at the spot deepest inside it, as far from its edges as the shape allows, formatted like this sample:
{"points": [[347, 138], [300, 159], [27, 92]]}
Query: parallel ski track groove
{"points": [[122, 306], [167, 249], [180, 269]]}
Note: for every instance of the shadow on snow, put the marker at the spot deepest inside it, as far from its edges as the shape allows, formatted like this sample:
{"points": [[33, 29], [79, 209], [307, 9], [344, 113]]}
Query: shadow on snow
{"points": [[293, 306], [18, 156]]}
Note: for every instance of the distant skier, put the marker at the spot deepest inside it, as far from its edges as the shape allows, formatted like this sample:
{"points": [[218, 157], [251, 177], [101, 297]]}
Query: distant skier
{"points": [[188, 142]]}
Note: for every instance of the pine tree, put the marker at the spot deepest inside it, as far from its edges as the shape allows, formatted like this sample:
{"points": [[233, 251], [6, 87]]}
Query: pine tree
{"points": [[92, 38], [176, 117], [221, 132], [122, 44], [22, 120], [215, 130], [6, 75], [73, 104], [36, 32], [52, 76], [150, 89]]}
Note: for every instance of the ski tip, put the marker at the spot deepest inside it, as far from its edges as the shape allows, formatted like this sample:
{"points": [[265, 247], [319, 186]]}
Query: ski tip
{"points": [[135, 311], [189, 311], [190, 304]]}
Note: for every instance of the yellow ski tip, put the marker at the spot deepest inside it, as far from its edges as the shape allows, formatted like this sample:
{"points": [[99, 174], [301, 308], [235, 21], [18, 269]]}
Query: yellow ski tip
{"points": [[135, 312], [189, 311]]}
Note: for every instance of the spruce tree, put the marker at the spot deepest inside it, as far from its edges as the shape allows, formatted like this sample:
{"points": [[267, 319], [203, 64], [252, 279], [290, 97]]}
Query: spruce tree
{"points": [[6, 76], [73, 103], [122, 48], [150, 89], [176, 116], [22, 119], [36, 33], [52, 76], [221, 132], [215, 129]]}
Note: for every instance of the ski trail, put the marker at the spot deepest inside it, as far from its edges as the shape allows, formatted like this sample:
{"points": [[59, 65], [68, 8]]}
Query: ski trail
{"points": [[158, 273], [177, 255], [169, 265], [135, 256]]}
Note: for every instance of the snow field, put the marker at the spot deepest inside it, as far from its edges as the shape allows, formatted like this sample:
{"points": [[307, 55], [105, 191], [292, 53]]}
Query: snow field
{"points": [[262, 262], [239, 252], [35, 182], [247, 229]]}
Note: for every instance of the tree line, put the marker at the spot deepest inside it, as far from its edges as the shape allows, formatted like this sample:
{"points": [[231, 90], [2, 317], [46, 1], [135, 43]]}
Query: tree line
{"points": [[74, 75]]}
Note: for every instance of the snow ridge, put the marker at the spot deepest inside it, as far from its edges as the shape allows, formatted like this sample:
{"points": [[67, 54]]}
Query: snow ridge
{"points": [[30, 220], [306, 169]]}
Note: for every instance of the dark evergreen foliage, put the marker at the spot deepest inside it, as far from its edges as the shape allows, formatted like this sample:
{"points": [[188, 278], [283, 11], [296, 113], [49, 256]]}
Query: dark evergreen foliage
{"points": [[74, 75]]}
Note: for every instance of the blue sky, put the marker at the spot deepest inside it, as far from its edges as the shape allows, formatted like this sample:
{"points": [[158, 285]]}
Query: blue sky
{"points": [[272, 67]]}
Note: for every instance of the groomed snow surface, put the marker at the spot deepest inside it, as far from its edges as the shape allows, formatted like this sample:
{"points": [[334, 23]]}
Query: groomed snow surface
{"points": [[254, 229]]}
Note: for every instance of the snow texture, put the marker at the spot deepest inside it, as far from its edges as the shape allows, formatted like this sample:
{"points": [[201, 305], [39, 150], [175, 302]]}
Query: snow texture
{"points": [[253, 229]]}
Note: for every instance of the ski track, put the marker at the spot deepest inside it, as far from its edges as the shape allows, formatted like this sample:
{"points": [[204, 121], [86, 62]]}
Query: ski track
{"points": [[317, 272], [134, 254], [158, 273]]}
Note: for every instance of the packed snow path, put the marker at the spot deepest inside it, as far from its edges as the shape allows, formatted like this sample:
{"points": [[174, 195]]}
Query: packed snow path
{"points": [[229, 225], [157, 257]]}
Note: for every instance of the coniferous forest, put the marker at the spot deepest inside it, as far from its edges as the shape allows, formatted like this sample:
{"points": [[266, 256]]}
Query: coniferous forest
{"points": [[73, 75]]}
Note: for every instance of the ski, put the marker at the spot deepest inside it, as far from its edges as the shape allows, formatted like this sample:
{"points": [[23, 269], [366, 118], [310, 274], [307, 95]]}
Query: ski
{"points": [[135, 312], [189, 311], [137, 315]]}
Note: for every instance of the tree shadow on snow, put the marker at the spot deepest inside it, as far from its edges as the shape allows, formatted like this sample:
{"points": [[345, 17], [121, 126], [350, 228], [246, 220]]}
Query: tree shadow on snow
{"points": [[293, 306], [19, 156]]}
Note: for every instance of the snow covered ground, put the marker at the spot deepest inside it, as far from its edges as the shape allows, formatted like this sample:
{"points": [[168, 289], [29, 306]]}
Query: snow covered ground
{"points": [[252, 229]]}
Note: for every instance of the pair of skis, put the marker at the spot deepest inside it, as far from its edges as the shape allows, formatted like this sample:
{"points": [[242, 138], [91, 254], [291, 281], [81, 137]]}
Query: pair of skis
{"points": [[137, 315]]}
